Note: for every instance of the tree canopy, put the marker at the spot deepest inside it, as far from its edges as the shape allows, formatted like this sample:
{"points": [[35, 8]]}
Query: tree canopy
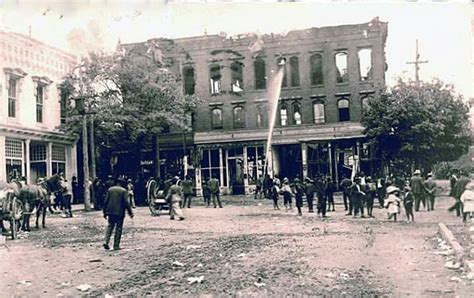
{"points": [[418, 124], [132, 97]]}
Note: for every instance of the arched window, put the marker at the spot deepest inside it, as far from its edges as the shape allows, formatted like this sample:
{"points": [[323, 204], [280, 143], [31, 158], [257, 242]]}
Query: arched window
{"points": [[237, 76], [296, 113], [316, 62], [365, 64], [217, 118], [365, 102], [341, 67], [239, 117], [285, 68], [189, 83], [215, 78], [343, 107], [294, 71], [283, 114], [318, 112], [260, 75]]}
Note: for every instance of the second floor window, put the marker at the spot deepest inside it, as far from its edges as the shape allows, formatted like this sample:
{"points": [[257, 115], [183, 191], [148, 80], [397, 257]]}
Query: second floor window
{"points": [[365, 102], [297, 113], [239, 117], [318, 112], [283, 115], [39, 103], [285, 72], [344, 112], [189, 83], [342, 75], [215, 79], [316, 62], [260, 75], [63, 107], [12, 97], [260, 116], [217, 121], [237, 77]]}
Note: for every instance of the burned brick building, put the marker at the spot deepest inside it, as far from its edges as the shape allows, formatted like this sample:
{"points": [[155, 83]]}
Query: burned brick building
{"points": [[331, 73]]}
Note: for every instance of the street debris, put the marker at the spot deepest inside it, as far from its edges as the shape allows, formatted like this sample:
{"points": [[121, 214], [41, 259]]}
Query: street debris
{"points": [[452, 265], [95, 261], [241, 255], [177, 263], [259, 284], [193, 247], [455, 279], [25, 282], [344, 276], [199, 265], [84, 287], [192, 280]]}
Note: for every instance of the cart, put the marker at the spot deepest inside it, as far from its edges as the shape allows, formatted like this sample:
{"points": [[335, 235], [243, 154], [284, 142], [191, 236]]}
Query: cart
{"points": [[156, 199], [11, 210]]}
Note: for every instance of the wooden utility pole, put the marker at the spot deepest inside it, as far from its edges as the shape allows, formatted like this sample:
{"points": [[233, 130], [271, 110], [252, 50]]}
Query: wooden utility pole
{"points": [[417, 63], [87, 197]]}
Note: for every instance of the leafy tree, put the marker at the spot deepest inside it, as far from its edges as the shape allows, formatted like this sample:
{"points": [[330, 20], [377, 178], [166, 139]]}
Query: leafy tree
{"points": [[132, 96], [418, 125]]}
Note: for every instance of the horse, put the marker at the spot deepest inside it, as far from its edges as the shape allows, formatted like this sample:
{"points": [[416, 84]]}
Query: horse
{"points": [[38, 197]]}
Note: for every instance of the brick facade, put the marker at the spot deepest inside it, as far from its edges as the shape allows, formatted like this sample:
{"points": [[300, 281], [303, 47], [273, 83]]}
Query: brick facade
{"points": [[301, 131]]}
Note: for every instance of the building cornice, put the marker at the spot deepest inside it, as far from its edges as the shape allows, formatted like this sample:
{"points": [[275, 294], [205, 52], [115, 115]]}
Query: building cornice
{"points": [[35, 134]]}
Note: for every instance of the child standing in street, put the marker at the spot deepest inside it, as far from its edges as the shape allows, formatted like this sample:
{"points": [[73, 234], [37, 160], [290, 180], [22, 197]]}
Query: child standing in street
{"points": [[275, 194], [392, 203], [408, 201], [131, 195], [287, 193]]}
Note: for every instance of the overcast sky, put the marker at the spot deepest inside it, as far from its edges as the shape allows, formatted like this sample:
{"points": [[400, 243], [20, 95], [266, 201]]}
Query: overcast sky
{"points": [[443, 29]]}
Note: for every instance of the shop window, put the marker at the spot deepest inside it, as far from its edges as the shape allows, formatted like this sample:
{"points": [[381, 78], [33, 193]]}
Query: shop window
{"points": [[13, 158], [341, 67], [316, 62], [365, 64], [189, 82], [343, 107], [217, 121], [296, 113], [12, 97], [237, 76], [215, 79], [239, 117], [260, 75], [38, 152], [283, 115], [58, 157], [294, 71], [39, 102], [318, 112]]}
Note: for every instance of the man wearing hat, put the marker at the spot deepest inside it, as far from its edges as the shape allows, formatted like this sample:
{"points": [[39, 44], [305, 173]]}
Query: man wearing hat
{"points": [[417, 188], [430, 188], [357, 197], [116, 202], [309, 190]]}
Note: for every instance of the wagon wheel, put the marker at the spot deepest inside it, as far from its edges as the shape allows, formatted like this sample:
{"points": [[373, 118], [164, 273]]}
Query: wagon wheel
{"points": [[16, 213], [152, 192]]}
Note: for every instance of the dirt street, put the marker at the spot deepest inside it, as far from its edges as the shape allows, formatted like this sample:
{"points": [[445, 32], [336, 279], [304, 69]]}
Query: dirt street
{"points": [[245, 249]]}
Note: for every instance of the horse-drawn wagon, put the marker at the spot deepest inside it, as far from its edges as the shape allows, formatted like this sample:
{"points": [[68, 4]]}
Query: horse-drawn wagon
{"points": [[11, 208], [156, 198]]}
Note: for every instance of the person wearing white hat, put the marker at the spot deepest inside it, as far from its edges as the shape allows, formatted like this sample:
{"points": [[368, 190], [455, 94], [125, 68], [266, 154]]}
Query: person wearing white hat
{"points": [[430, 188], [392, 203], [418, 189]]}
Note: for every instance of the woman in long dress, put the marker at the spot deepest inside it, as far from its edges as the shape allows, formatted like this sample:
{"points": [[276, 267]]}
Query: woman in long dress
{"points": [[467, 200]]}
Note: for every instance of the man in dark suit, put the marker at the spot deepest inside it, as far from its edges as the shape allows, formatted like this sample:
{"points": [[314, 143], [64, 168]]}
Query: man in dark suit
{"points": [[418, 189], [116, 202]]}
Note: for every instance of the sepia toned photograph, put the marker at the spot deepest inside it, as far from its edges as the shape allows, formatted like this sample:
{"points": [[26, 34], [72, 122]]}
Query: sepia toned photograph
{"points": [[153, 148]]}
